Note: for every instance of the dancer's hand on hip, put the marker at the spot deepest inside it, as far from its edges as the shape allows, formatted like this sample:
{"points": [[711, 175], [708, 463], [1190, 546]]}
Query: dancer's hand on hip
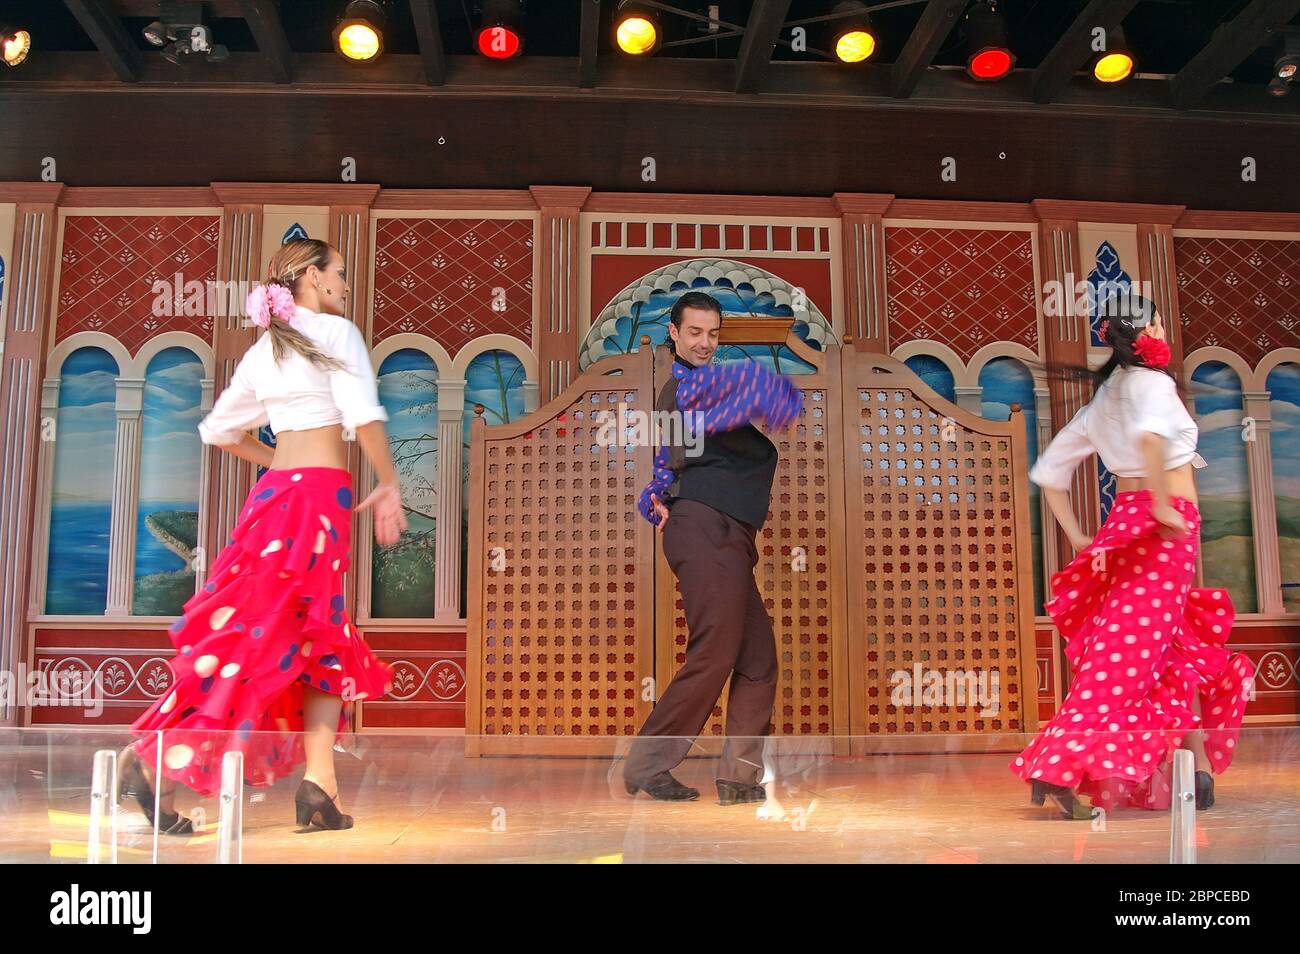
{"points": [[661, 510], [1080, 542], [390, 518], [1172, 524]]}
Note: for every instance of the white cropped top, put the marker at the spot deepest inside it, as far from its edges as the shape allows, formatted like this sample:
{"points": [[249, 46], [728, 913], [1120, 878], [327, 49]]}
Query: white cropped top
{"points": [[1133, 401], [295, 395]]}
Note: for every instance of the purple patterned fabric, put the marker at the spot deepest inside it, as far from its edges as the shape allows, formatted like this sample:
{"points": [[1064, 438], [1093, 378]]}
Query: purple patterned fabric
{"points": [[726, 397]]}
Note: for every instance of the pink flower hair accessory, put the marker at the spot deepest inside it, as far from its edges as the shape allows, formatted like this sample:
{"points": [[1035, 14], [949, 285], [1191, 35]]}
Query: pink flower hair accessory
{"points": [[1152, 352], [269, 301]]}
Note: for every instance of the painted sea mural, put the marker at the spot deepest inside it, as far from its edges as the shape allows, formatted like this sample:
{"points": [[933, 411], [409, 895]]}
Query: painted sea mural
{"points": [[1003, 382], [1283, 384], [84, 442], [170, 457], [936, 375], [494, 379], [1223, 488], [402, 576]]}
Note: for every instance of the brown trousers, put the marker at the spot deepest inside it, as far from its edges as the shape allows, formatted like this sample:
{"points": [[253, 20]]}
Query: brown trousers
{"points": [[713, 557]]}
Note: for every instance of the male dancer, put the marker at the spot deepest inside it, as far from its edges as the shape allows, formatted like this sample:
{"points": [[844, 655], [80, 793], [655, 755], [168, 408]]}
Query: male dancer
{"points": [[718, 500]]}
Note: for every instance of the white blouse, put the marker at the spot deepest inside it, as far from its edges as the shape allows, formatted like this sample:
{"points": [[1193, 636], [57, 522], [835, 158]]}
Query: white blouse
{"points": [[295, 395], [1133, 401]]}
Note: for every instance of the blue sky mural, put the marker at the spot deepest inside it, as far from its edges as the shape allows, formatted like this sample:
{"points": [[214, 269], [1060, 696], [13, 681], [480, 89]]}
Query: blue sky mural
{"points": [[1283, 385], [170, 456], [1004, 381], [936, 375], [1227, 537], [84, 449], [494, 379], [402, 576]]}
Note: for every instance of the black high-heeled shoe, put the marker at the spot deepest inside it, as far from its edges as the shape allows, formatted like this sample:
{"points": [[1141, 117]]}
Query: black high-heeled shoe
{"points": [[131, 781], [1062, 797], [317, 810], [1204, 791]]}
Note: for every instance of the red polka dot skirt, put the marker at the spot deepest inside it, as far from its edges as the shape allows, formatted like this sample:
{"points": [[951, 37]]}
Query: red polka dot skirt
{"points": [[1142, 644], [269, 621]]}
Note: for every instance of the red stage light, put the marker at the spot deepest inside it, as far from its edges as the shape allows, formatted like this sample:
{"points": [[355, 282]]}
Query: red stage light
{"points": [[498, 42], [990, 64]]}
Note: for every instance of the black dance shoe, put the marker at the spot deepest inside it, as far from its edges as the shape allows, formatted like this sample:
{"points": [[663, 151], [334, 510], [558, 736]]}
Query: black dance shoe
{"points": [[736, 793], [663, 787], [1204, 791], [1062, 797], [317, 810], [131, 780]]}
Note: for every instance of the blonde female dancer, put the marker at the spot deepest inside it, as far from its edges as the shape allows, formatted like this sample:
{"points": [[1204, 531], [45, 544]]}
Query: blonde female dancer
{"points": [[266, 653]]}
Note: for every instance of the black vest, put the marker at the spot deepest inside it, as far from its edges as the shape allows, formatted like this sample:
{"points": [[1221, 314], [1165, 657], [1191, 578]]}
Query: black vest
{"points": [[733, 473]]}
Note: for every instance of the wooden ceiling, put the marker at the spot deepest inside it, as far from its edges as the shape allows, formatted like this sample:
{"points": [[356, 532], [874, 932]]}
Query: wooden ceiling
{"points": [[739, 113]]}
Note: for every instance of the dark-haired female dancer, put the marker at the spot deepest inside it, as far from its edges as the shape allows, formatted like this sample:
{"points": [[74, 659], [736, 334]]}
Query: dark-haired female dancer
{"points": [[1151, 670], [266, 647]]}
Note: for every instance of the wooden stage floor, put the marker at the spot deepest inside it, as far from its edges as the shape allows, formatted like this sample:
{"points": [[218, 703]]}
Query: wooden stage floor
{"points": [[420, 803]]}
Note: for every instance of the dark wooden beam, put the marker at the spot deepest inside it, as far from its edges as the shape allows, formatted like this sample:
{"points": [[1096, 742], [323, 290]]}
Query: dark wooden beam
{"points": [[1231, 43], [765, 20], [1074, 47], [109, 36], [588, 43], [424, 13], [543, 79], [263, 18], [149, 8], [937, 21]]}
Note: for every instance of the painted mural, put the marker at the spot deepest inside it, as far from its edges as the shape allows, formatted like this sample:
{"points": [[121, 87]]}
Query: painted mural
{"points": [[85, 440], [167, 520], [402, 576], [642, 308], [1283, 385], [1223, 487]]}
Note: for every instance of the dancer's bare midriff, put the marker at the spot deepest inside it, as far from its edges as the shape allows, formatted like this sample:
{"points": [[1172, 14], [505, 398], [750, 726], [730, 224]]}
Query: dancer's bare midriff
{"points": [[1179, 482], [317, 447]]}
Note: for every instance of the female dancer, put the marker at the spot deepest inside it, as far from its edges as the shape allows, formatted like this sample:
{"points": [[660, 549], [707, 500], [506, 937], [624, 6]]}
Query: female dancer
{"points": [[1151, 670], [266, 647]]}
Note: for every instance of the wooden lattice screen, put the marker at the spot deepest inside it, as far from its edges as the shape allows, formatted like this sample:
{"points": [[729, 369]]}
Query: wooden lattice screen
{"points": [[897, 537], [939, 498], [560, 597]]}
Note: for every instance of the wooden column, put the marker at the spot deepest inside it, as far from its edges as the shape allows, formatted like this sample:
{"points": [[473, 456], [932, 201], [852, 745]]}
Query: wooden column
{"points": [[349, 232], [27, 335], [1065, 339], [1156, 263], [557, 245], [1263, 502], [126, 496], [862, 272], [229, 479]]}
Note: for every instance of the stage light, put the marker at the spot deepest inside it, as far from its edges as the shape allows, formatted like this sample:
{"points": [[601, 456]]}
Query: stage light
{"points": [[636, 29], [359, 35], [179, 30], [854, 41], [500, 34], [1288, 55], [16, 45], [989, 57], [1115, 64]]}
